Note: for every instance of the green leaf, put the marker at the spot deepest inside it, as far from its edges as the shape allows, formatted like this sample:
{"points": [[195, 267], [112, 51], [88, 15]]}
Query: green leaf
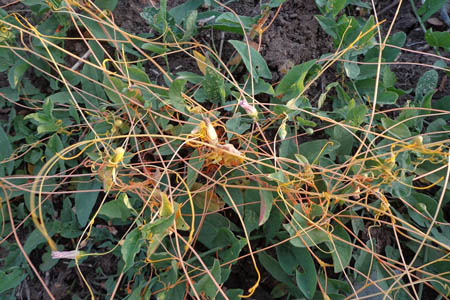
{"points": [[195, 165], [190, 25], [287, 258], [258, 66], [335, 6], [9, 94], [273, 267], [115, 209], [15, 74], [266, 199], [34, 239], [154, 48], [296, 75], [206, 285], [11, 278], [275, 3], [159, 226], [328, 25], [5, 152], [306, 235], [138, 74], [230, 22], [175, 94], [234, 125], [311, 150], [131, 246], [400, 131], [352, 69], [389, 78], [236, 197], [357, 115], [426, 84], [306, 278], [341, 252], [438, 39], [430, 7], [114, 88], [214, 86], [387, 97], [181, 11], [60, 97], [106, 4], [85, 199]]}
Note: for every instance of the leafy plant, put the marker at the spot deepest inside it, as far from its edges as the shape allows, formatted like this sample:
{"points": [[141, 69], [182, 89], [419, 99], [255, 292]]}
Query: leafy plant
{"points": [[181, 180]]}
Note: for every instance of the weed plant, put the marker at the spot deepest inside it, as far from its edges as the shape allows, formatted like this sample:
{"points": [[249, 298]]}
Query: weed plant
{"points": [[180, 180]]}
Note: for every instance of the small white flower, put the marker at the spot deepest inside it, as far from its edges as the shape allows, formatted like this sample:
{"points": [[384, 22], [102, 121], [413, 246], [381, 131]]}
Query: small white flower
{"points": [[65, 254], [249, 109]]}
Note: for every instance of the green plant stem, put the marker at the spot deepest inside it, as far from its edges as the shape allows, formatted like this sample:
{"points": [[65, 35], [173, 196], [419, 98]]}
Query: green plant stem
{"points": [[414, 9], [422, 25]]}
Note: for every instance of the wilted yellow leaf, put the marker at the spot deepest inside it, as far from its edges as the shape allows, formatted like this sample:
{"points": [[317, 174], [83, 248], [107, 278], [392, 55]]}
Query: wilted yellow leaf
{"points": [[207, 198], [202, 62]]}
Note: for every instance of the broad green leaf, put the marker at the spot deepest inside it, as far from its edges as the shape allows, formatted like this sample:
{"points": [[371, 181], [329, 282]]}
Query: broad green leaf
{"points": [[328, 25], [279, 291], [213, 86], [296, 76], [114, 88], [266, 198], [257, 66], [47, 262], [190, 25], [229, 22], [335, 6], [235, 125], [341, 252], [9, 93], [115, 209], [85, 199], [11, 278], [351, 69], [131, 246], [16, 73], [5, 152], [206, 285], [195, 165], [229, 244], [430, 7], [158, 227], [387, 97], [273, 267], [389, 78], [357, 115], [306, 235], [236, 197], [175, 94], [181, 11], [426, 84], [313, 150], [347, 140], [287, 258], [60, 97], [306, 277], [138, 74], [154, 48], [34, 239], [275, 3], [106, 4], [438, 39], [400, 131]]}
